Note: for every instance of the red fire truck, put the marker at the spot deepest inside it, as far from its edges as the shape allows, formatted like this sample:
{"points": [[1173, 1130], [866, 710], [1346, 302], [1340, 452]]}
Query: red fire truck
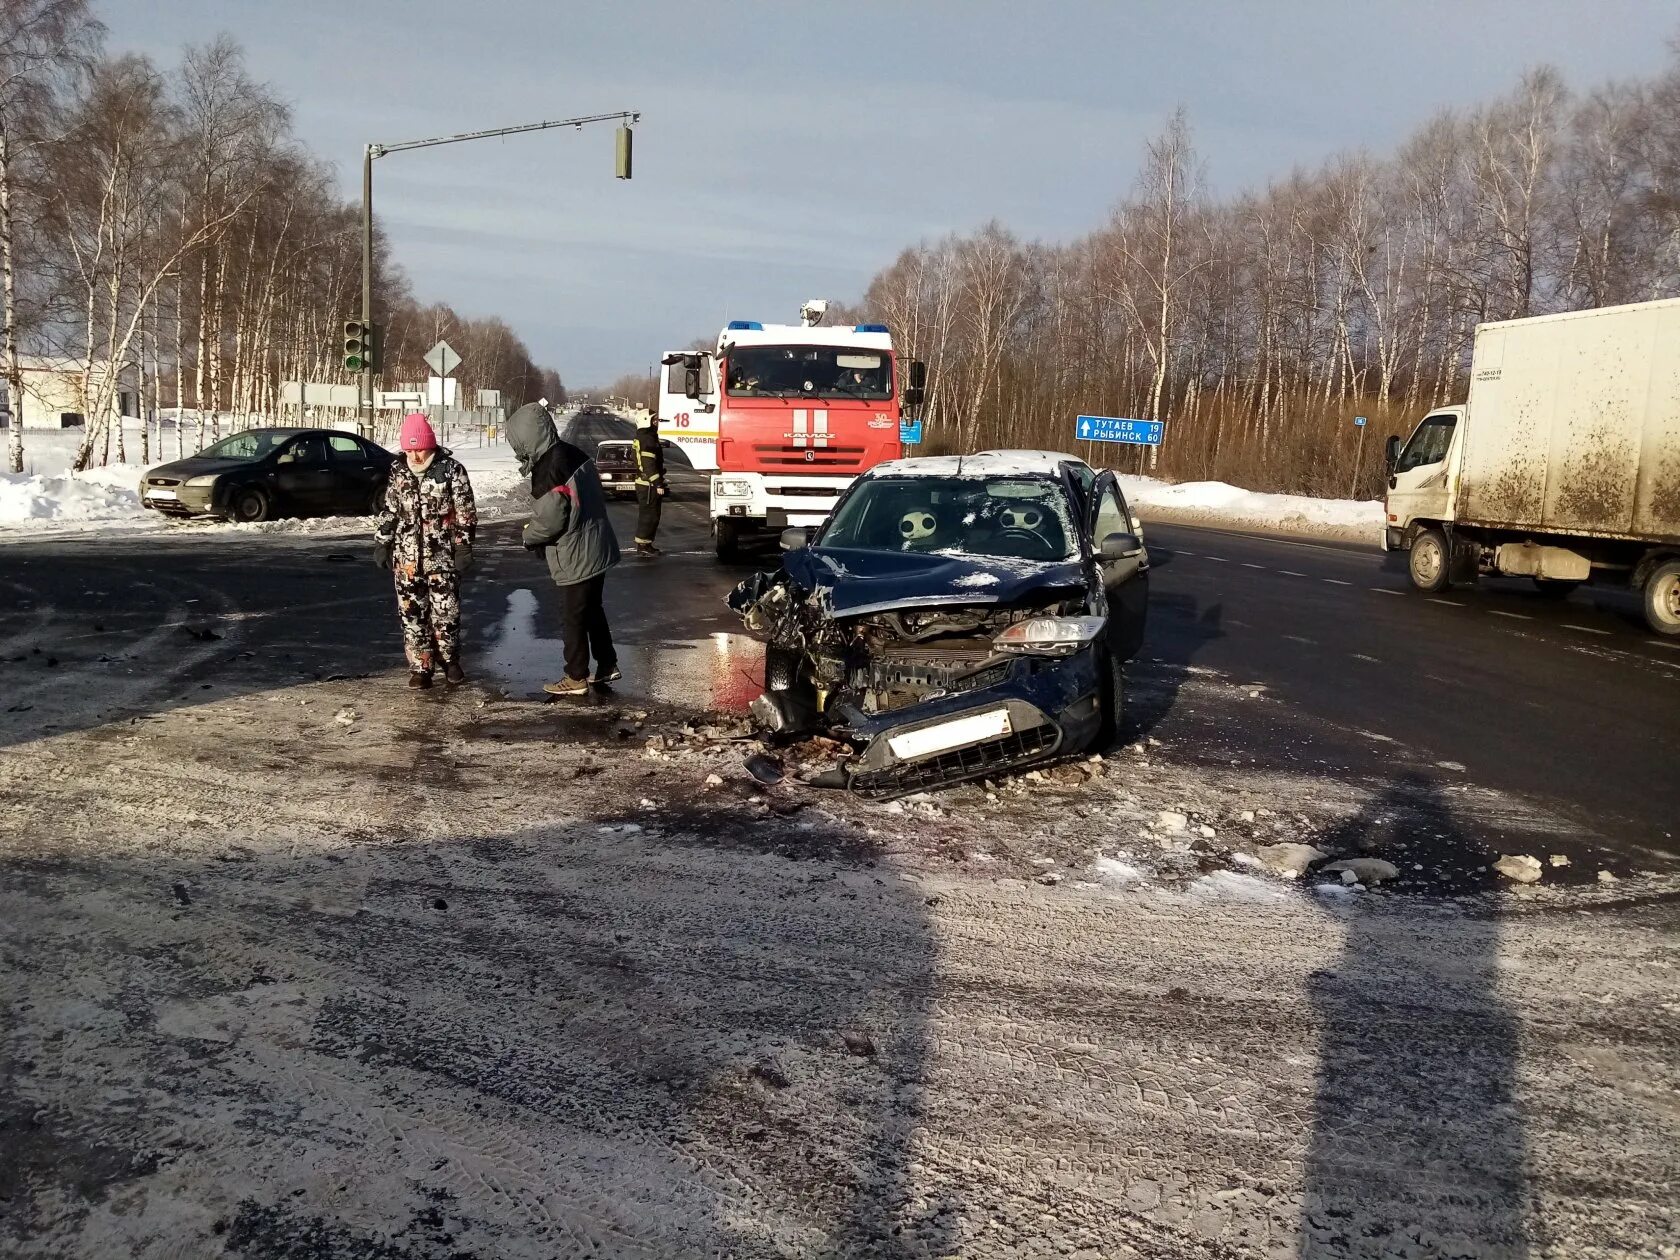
{"points": [[801, 410]]}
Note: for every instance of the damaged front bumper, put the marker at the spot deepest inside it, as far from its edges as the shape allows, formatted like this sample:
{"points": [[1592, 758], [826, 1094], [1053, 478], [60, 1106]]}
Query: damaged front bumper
{"points": [[1040, 708], [1030, 710]]}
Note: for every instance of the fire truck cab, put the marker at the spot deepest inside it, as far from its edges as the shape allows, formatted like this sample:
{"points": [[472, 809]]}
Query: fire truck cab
{"points": [[800, 411]]}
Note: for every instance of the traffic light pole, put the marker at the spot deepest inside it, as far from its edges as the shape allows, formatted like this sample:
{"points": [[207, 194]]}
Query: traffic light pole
{"points": [[624, 118], [365, 420]]}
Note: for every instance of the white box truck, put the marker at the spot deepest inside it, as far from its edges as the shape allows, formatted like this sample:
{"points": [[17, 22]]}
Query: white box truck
{"points": [[1562, 467]]}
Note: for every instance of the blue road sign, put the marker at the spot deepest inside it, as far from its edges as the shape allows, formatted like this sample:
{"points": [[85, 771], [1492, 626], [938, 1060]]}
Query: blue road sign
{"points": [[910, 432], [1359, 421], [1114, 429]]}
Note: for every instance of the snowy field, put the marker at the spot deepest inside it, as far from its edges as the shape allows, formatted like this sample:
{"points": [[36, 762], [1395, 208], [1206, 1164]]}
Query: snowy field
{"points": [[47, 498]]}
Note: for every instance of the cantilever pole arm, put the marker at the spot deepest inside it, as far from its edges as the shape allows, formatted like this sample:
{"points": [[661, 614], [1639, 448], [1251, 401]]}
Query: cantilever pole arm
{"points": [[623, 116]]}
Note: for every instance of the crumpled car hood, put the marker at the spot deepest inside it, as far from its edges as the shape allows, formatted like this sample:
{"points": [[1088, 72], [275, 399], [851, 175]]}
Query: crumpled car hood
{"points": [[855, 583]]}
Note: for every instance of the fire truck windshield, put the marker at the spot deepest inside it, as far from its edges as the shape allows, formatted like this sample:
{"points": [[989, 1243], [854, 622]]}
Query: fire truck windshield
{"points": [[808, 372]]}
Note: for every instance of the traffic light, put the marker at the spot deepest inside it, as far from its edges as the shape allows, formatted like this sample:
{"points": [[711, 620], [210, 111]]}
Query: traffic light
{"points": [[361, 346], [621, 162]]}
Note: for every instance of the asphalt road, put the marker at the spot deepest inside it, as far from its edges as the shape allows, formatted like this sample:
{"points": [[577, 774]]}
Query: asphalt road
{"points": [[1345, 670], [1567, 702]]}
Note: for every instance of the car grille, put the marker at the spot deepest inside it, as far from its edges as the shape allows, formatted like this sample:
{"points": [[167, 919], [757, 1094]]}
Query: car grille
{"points": [[777, 456], [163, 481], [805, 492], [961, 763], [908, 682]]}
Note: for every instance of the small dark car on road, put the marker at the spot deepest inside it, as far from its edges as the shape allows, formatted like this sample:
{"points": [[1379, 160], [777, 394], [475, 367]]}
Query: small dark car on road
{"points": [[261, 474], [954, 617], [615, 460]]}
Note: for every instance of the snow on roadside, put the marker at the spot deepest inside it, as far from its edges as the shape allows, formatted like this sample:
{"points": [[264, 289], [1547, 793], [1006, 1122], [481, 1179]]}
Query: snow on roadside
{"points": [[50, 499], [1217, 503]]}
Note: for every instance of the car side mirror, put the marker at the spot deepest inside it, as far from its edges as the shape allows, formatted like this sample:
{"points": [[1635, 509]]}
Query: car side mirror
{"points": [[1120, 546], [796, 539], [918, 375], [691, 381], [1391, 452], [914, 397]]}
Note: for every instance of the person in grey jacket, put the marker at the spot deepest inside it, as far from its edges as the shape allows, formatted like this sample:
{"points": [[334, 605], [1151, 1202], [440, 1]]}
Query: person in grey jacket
{"points": [[569, 526]]}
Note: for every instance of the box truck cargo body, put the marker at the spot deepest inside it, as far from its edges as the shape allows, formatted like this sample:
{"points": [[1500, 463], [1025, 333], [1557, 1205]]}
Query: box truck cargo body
{"points": [[1563, 466]]}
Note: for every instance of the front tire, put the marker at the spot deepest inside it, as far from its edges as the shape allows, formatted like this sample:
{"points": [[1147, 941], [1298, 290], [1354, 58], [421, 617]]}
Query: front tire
{"points": [[250, 505], [1111, 701], [1662, 598], [726, 535], [1430, 562]]}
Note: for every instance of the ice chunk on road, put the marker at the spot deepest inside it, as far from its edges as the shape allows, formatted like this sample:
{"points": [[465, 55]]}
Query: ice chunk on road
{"points": [[1119, 874], [1235, 886]]}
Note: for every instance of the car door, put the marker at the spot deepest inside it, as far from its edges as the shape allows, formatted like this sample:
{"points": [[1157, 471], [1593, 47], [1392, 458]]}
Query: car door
{"points": [[358, 475], [1417, 484], [303, 474], [1124, 578]]}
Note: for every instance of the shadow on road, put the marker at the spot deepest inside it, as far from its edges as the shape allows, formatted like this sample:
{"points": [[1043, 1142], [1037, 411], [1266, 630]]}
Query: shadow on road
{"points": [[1417, 1144], [1179, 628], [579, 1038]]}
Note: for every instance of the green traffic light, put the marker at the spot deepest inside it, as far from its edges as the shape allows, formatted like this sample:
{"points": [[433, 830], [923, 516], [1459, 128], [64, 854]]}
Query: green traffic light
{"points": [[352, 363]]}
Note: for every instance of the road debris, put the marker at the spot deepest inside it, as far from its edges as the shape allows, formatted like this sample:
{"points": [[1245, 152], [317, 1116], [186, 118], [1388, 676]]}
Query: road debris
{"points": [[1521, 867], [1290, 859], [1363, 870]]}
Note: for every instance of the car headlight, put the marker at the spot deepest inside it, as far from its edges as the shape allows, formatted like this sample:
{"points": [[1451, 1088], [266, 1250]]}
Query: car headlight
{"points": [[201, 483], [733, 489], [1050, 636]]}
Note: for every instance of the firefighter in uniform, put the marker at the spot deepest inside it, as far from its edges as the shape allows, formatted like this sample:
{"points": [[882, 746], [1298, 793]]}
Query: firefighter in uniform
{"points": [[650, 486]]}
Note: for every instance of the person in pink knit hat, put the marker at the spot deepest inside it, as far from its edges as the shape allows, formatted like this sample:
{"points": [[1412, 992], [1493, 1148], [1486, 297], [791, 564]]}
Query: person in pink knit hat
{"points": [[425, 537]]}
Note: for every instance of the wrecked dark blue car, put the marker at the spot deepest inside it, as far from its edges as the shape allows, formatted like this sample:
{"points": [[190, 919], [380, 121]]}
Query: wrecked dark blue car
{"points": [[954, 617]]}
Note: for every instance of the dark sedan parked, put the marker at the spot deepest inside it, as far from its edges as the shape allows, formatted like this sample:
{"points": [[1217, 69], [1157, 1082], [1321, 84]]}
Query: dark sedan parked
{"points": [[264, 473]]}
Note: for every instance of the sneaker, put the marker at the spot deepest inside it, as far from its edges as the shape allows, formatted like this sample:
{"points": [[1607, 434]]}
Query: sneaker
{"points": [[647, 549], [420, 679], [567, 687], [612, 675], [453, 673]]}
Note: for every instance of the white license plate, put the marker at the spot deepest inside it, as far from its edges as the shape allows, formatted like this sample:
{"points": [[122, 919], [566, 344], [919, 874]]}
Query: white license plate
{"points": [[162, 494], [953, 734]]}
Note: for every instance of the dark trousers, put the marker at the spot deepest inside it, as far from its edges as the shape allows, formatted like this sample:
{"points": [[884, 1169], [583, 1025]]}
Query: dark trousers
{"points": [[583, 624], [649, 504]]}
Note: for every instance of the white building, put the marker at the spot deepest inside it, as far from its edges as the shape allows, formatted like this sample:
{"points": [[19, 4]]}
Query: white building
{"points": [[53, 397]]}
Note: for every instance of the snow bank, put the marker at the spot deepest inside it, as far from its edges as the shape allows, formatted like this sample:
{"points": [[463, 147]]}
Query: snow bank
{"points": [[1216, 503], [103, 497], [48, 499]]}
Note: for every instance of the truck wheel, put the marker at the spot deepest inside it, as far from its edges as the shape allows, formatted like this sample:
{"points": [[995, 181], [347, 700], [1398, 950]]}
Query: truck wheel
{"points": [[1662, 598], [726, 535], [1430, 561]]}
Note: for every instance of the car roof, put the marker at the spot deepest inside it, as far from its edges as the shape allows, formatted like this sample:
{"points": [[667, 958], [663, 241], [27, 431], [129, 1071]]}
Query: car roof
{"points": [[983, 464]]}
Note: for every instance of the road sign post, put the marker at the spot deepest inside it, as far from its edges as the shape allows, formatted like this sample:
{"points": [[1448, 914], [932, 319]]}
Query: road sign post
{"points": [[443, 360], [1117, 429], [1358, 456]]}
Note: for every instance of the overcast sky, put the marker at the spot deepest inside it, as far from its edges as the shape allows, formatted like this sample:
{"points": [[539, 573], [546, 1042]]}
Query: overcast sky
{"points": [[789, 151]]}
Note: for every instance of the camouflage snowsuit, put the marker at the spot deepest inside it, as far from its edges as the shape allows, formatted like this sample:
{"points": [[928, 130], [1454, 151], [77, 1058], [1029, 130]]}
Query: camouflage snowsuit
{"points": [[428, 523]]}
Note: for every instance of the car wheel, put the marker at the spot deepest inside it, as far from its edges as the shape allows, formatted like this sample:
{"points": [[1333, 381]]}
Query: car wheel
{"points": [[726, 534], [1662, 598], [1111, 701], [1430, 562], [250, 505]]}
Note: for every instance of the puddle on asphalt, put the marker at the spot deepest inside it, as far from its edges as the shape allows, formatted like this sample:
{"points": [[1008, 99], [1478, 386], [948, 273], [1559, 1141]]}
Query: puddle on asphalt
{"points": [[722, 672]]}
